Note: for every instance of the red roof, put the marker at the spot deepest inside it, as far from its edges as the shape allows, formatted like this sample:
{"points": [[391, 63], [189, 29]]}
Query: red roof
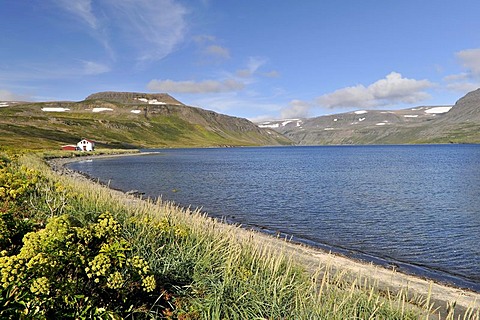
{"points": [[69, 147]]}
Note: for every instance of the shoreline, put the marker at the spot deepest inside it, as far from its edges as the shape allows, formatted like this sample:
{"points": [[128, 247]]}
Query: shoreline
{"points": [[437, 276], [386, 279]]}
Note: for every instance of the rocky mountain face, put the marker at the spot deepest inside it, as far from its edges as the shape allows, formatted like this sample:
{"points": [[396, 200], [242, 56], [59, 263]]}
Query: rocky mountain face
{"points": [[466, 109], [127, 119], [424, 124], [162, 104]]}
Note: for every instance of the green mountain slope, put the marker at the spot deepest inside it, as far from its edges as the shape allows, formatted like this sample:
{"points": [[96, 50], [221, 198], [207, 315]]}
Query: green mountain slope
{"points": [[122, 120]]}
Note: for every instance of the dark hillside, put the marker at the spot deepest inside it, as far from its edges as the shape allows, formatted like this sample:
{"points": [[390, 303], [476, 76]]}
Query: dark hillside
{"points": [[466, 109]]}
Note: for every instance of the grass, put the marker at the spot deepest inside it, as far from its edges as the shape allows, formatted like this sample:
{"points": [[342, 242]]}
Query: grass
{"points": [[208, 270], [32, 128]]}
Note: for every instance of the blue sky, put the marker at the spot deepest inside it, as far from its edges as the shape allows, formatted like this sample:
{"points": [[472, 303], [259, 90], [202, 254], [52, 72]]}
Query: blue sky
{"points": [[265, 59]]}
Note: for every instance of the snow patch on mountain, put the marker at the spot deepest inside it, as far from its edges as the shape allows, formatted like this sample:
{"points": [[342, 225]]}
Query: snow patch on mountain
{"points": [[360, 112], [280, 123], [54, 109], [150, 101], [101, 109], [437, 110]]}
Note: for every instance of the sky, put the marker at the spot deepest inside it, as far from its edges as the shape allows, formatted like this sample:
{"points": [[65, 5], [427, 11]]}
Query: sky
{"points": [[263, 59]]}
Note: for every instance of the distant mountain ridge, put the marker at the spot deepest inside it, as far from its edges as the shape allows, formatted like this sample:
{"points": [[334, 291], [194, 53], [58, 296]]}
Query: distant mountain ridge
{"points": [[126, 120], [135, 98], [145, 120], [423, 124]]}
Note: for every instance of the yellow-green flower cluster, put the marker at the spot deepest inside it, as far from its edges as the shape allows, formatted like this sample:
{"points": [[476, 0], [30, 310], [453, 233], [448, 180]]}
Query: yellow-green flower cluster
{"points": [[99, 266], [138, 264], [115, 280], [48, 239], [141, 267], [61, 261], [161, 226], [42, 263], [11, 270], [40, 286], [15, 182], [116, 250], [148, 283], [68, 265], [107, 225], [37, 257], [59, 187]]}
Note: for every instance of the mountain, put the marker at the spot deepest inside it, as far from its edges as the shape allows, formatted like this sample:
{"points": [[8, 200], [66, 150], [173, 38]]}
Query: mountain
{"points": [[141, 120], [126, 120], [423, 124], [466, 109]]}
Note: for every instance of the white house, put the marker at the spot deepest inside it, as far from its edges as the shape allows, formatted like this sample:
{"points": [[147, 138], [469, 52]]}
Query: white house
{"points": [[86, 145]]}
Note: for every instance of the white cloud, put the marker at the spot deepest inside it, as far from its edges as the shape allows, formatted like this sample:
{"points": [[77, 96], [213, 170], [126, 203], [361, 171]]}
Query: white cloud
{"points": [[470, 60], [82, 9], [391, 90], [210, 50], [93, 68], [470, 79], [357, 96], [253, 64], [218, 51], [271, 74], [6, 95], [206, 86], [235, 103], [153, 27], [456, 77], [204, 38], [463, 87], [51, 71], [297, 109]]}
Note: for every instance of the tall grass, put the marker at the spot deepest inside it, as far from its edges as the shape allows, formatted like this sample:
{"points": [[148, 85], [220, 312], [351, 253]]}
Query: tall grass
{"points": [[215, 271]]}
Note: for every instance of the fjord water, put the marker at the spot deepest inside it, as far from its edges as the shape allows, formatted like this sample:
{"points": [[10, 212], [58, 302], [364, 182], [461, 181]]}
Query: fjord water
{"points": [[416, 208]]}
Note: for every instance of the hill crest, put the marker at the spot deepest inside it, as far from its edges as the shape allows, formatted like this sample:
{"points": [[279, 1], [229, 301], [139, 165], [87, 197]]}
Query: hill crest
{"points": [[135, 98]]}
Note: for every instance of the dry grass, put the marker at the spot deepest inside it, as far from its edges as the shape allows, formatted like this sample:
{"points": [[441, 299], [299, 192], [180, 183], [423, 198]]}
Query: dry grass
{"points": [[219, 271]]}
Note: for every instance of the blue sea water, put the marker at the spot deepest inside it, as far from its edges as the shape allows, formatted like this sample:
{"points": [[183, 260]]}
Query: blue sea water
{"points": [[414, 207]]}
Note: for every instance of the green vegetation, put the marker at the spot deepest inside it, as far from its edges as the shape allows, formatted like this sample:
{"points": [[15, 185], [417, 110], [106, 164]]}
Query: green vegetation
{"points": [[73, 249], [153, 127]]}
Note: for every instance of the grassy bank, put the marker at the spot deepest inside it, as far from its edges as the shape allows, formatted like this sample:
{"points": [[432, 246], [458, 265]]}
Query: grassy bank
{"points": [[73, 249]]}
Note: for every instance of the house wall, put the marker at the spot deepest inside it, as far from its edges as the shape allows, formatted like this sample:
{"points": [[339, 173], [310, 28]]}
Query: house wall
{"points": [[85, 145]]}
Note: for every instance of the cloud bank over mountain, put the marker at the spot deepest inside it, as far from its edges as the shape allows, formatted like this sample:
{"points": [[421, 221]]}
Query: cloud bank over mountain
{"points": [[391, 90]]}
